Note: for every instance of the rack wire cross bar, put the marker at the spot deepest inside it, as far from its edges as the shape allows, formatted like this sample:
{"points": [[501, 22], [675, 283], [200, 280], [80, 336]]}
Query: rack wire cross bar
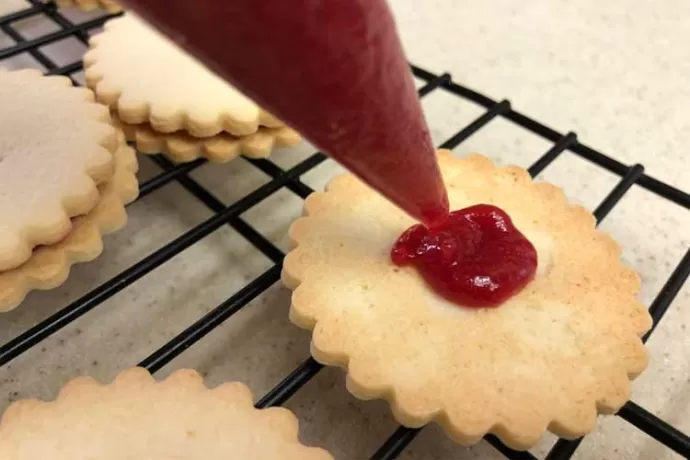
{"points": [[656, 428], [211, 320], [214, 204], [612, 199], [554, 152], [476, 125]]}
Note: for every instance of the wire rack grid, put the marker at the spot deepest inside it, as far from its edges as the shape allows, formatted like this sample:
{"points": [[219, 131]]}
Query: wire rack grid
{"points": [[229, 214]]}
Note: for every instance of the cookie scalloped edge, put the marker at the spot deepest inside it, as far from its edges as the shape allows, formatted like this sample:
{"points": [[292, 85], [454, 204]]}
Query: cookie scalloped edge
{"points": [[183, 148], [49, 266], [280, 420], [462, 431]]}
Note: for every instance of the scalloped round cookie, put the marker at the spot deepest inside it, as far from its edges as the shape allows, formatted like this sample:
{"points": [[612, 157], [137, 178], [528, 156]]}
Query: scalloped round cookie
{"points": [[182, 148], [136, 417], [56, 146], [146, 78], [89, 5], [49, 266], [562, 350]]}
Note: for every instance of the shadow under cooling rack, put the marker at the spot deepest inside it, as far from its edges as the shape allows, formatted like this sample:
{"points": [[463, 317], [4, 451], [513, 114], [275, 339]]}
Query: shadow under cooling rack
{"points": [[229, 214]]}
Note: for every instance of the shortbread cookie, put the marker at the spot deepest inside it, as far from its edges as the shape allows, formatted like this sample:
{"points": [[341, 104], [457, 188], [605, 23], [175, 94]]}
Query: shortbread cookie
{"points": [[89, 5], [56, 146], [182, 148], [551, 357], [12, 6], [50, 265], [136, 418], [145, 78]]}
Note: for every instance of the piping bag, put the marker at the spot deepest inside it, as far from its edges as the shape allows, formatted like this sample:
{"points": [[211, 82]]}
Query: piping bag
{"points": [[332, 69]]}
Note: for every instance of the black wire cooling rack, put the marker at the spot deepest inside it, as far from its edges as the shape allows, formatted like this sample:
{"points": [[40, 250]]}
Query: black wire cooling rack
{"points": [[228, 214]]}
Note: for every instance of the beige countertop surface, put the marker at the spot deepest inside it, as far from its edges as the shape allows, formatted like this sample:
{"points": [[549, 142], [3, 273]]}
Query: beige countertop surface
{"points": [[614, 72]]}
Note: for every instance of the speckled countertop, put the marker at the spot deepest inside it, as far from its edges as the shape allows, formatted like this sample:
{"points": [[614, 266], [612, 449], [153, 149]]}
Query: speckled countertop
{"points": [[614, 72]]}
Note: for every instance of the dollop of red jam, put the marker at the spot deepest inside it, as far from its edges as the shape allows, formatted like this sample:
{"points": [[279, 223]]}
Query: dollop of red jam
{"points": [[475, 257]]}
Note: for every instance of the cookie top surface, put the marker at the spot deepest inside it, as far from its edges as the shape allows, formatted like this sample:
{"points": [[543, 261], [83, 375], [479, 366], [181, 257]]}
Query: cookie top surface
{"points": [[137, 418], [56, 146], [146, 78], [554, 355]]}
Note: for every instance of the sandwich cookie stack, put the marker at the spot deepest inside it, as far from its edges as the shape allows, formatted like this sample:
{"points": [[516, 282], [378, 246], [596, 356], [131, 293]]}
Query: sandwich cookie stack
{"points": [[167, 102], [89, 5], [66, 174]]}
